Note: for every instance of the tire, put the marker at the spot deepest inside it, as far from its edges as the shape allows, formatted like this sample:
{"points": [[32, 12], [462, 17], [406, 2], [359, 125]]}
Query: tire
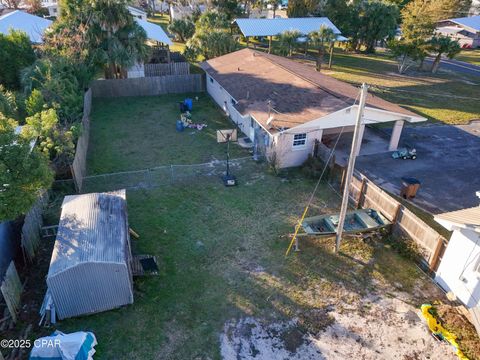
{"points": [[404, 157], [414, 157]]}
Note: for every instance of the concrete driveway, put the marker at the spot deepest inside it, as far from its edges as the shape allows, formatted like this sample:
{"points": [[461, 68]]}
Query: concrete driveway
{"points": [[448, 166]]}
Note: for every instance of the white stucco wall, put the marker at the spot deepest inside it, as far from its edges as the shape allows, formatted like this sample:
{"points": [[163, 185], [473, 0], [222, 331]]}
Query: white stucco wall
{"points": [[456, 272], [290, 156], [221, 96]]}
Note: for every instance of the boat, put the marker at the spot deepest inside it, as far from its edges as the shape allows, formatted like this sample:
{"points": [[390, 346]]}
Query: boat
{"points": [[357, 221]]}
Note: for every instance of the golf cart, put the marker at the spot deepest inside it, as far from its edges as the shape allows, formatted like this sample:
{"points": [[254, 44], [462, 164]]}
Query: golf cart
{"points": [[405, 154]]}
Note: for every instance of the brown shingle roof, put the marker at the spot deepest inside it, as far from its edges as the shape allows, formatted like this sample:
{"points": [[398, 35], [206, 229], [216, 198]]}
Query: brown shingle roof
{"points": [[297, 92]]}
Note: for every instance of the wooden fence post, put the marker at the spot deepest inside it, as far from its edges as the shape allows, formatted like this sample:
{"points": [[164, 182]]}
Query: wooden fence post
{"points": [[361, 193], [434, 261]]}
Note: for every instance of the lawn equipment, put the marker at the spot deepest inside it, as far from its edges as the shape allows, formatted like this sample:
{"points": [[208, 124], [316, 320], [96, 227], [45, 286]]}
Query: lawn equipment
{"points": [[405, 154]]}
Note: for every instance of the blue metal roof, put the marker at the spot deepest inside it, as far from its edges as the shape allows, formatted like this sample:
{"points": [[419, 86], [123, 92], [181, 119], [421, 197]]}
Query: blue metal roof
{"points": [[154, 31], [33, 26], [472, 22], [272, 27]]}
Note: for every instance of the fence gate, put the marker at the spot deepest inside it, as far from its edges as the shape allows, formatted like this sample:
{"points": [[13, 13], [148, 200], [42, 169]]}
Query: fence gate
{"points": [[11, 290]]}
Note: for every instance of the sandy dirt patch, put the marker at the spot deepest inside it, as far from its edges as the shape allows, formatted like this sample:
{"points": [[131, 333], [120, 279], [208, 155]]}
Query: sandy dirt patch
{"points": [[386, 328]]}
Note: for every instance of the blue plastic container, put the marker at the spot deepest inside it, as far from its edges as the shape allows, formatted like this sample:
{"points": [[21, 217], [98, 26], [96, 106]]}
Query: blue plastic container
{"points": [[179, 125], [189, 104]]}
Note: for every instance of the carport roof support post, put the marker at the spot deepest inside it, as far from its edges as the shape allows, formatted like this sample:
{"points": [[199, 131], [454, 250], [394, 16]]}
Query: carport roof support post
{"points": [[396, 133]]}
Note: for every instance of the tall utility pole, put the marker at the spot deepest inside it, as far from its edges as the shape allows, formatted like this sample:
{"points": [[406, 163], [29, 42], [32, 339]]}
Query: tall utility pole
{"points": [[351, 166]]}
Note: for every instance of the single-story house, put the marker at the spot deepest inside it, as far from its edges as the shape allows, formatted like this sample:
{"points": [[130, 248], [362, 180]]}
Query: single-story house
{"points": [[33, 26], [52, 6], [90, 270], [137, 13], [465, 30], [459, 270], [284, 106], [180, 12]]}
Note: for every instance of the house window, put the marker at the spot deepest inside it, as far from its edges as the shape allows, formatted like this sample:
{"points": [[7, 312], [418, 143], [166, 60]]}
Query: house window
{"points": [[299, 140], [232, 100], [211, 79]]}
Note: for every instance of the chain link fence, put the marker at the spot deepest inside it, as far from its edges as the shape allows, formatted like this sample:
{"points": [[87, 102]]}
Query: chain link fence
{"points": [[243, 168]]}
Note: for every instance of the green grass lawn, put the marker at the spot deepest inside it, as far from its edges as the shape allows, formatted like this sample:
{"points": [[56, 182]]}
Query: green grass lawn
{"points": [[140, 133], [447, 97], [209, 241], [220, 250], [470, 56]]}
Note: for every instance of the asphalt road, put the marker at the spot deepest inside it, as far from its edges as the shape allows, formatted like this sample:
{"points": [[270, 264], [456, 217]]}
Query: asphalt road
{"points": [[456, 65]]}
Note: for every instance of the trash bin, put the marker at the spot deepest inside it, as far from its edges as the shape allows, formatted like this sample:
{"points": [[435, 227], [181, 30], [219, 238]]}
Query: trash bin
{"points": [[188, 104], [409, 188]]}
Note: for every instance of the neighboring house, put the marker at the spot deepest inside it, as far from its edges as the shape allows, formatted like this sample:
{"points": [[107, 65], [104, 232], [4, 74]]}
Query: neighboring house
{"points": [[33, 26], [465, 30], [284, 106], [91, 266], [54, 9], [459, 270], [52, 6], [137, 13], [274, 27], [179, 12], [162, 43]]}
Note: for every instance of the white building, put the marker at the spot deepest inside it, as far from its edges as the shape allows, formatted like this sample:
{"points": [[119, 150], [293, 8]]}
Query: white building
{"points": [[137, 13], [284, 106], [459, 270], [465, 30], [54, 9], [52, 6], [179, 12]]}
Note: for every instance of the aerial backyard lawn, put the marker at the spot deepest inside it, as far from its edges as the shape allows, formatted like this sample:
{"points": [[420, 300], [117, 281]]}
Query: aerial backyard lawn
{"points": [[225, 288]]}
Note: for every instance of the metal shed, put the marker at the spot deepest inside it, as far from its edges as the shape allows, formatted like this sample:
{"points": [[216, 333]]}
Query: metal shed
{"points": [[90, 269]]}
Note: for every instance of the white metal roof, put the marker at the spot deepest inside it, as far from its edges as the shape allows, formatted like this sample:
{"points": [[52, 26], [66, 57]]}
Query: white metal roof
{"points": [[33, 26], [272, 27], [93, 228], [470, 22], [465, 218], [154, 32], [449, 30]]}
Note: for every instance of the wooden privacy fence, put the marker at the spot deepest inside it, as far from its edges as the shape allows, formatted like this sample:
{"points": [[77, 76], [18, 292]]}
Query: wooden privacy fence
{"points": [[366, 194], [149, 86], [11, 289], [173, 68], [79, 165], [32, 225]]}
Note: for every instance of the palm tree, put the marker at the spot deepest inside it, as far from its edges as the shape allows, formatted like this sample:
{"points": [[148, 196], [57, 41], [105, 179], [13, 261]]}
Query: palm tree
{"points": [[318, 39], [274, 4], [120, 40], [288, 41], [443, 45]]}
